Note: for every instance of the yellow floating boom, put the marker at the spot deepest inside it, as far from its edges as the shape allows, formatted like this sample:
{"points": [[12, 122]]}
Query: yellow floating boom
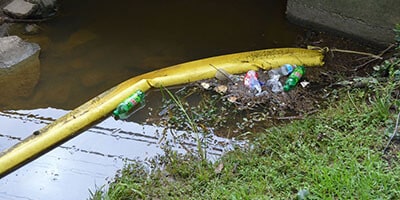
{"points": [[101, 106]]}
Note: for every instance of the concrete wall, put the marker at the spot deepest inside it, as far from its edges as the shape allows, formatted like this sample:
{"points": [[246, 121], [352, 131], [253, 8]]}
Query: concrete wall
{"points": [[371, 20]]}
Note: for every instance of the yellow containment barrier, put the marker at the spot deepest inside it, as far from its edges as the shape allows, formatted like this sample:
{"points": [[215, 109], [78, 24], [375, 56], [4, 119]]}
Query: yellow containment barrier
{"points": [[101, 106]]}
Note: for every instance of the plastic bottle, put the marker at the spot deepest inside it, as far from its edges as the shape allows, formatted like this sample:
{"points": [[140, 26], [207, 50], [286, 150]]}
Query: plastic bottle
{"points": [[284, 70], [125, 109], [275, 74], [294, 78], [251, 81], [275, 85]]}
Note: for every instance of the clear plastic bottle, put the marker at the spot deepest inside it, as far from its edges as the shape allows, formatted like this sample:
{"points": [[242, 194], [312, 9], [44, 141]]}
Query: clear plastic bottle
{"points": [[294, 78], [125, 109], [275, 74], [284, 70]]}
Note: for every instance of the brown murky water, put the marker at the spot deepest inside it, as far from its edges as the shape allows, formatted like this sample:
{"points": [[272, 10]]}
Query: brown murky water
{"points": [[91, 46]]}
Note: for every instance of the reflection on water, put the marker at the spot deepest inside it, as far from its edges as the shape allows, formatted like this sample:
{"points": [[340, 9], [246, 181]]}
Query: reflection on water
{"points": [[94, 45], [84, 162]]}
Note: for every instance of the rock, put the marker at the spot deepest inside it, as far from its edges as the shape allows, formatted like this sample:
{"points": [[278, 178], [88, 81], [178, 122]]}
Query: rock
{"points": [[31, 9], [44, 3], [20, 9], [14, 50], [4, 29], [19, 68], [46, 8], [31, 29]]}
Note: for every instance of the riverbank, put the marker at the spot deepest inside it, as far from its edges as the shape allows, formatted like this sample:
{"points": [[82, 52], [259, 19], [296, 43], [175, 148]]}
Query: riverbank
{"points": [[348, 149], [336, 153], [85, 52]]}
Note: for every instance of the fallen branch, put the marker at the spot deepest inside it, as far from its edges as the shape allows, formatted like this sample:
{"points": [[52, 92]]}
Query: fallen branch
{"points": [[372, 60], [356, 52], [327, 49], [13, 20], [374, 57], [223, 72]]}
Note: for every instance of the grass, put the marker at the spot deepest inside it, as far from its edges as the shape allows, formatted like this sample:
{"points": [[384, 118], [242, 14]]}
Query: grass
{"points": [[336, 153]]}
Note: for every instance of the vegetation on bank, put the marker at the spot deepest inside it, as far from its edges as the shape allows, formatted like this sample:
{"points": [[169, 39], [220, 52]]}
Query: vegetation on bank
{"points": [[348, 150]]}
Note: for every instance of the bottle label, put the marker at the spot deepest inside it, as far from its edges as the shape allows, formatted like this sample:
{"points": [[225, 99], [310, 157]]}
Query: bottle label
{"points": [[135, 101], [297, 74]]}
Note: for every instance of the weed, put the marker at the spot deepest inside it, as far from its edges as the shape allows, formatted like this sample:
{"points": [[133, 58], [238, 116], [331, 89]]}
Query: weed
{"points": [[335, 154], [397, 35], [188, 117]]}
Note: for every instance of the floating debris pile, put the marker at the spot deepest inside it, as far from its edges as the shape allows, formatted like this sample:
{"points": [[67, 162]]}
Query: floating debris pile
{"points": [[258, 89]]}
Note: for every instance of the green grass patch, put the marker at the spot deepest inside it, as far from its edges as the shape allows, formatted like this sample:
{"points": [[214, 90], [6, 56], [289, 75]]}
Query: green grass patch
{"points": [[335, 154]]}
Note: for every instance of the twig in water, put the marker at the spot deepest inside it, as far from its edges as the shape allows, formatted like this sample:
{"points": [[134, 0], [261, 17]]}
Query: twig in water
{"points": [[224, 73], [394, 134]]}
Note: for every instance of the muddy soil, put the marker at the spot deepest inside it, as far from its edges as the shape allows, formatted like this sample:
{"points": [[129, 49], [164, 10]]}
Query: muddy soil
{"points": [[338, 66], [258, 112]]}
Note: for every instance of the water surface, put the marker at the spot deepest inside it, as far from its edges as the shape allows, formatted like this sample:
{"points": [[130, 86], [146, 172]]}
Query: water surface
{"points": [[93, 45]]}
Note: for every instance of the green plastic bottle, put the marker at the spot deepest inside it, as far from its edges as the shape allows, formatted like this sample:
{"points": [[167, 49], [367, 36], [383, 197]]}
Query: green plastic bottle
{"points": [[125, 109], [294, 78]]}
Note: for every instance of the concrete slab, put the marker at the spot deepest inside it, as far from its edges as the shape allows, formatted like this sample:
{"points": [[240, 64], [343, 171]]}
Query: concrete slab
{"points": [[368, 20]]}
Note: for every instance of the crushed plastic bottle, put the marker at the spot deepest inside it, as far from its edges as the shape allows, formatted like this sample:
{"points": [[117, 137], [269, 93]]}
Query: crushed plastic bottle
{"points": [[284, 70], [275, 85], [275, 74], [251, 81], [294, 78], [126, 108]]}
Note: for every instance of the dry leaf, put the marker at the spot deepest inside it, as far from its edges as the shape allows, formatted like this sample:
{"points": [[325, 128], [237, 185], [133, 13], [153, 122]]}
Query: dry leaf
{"points": [[232, 99], [219, 168], [221, 89]]}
